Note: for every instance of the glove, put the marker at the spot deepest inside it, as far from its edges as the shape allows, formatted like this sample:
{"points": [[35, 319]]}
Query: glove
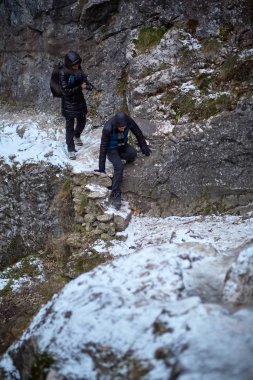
{"points": [[146, 150], [99, 171], [89, 87]]}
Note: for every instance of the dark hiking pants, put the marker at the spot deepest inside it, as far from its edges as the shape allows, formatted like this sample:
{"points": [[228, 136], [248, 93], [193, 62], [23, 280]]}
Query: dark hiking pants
{"points": [[115, 156], [72, 131]]}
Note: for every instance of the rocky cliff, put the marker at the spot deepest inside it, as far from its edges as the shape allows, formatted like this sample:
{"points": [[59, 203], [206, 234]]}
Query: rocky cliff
{"points": [[26, 221], [182, 69]]}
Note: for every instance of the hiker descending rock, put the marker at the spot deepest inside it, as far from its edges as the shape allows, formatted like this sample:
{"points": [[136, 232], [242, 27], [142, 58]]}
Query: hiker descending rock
{"points": [[114, 145]]}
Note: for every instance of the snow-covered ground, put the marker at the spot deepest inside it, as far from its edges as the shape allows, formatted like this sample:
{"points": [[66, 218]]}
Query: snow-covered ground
{"points": [[224, 233], [152, 299], [40, 138]]}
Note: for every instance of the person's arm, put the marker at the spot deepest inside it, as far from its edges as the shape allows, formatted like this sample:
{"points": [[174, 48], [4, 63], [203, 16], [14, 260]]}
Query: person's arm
{"points": [[139, 136], [105, 139], [65, 88], [86, 84]]}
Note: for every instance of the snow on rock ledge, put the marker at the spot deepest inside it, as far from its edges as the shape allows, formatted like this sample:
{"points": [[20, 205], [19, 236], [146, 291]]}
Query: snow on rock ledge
{"points": [[134, 314], [239, 280]]}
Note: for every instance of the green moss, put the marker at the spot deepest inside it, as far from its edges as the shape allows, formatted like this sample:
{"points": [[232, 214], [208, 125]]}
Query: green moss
{"points": [[208, 210], [7, 289], [62, 205], [203, 81], [210, 48], [29, 268], [66, 189], [79, 265], [25, 268], [78, 228], [228, 68], [187, 56], [93, 261], [152, 70], [149, 37], [149, 71], [83, 203], [183, 104], [234, 70], [213, 208], [211, 107], [122, 84], [225, 30], [87, 263], [94, 104], [191, 26], [41, 365], [167, 97], [64, 193]]}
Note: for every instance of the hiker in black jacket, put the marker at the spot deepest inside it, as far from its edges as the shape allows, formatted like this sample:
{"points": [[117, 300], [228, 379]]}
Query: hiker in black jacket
{"points": [[72, 82], [114, 145]]}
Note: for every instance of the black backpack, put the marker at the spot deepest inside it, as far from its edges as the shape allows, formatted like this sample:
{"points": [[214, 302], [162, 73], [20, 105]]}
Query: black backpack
{"points": [[55, 81]]}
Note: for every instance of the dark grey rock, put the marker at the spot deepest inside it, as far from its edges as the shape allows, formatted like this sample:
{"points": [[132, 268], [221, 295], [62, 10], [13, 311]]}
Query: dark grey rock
{"points": [[213, 174], [29, 219]]}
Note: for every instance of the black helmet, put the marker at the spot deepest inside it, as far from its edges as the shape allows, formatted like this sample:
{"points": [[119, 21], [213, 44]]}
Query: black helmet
{"points": [[72, 58], [120, 120]]}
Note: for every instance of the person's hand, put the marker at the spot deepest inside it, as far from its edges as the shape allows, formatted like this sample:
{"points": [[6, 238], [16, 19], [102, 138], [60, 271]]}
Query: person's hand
{"points": [[146, 150], [99, 171], [89, 87]]}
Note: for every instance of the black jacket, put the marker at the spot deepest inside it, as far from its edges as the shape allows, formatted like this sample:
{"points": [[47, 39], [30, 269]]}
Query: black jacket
{"points": [[73, 102], [109, 129]]}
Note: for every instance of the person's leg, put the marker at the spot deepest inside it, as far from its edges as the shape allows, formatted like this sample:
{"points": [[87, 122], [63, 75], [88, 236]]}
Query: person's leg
{"points": [[114, 158], [129, 153], [80, 125], [70, 134]]}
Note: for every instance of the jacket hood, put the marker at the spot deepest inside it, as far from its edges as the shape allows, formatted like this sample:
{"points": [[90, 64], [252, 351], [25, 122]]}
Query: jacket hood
{"points": [[120, 120], [72, 58]]}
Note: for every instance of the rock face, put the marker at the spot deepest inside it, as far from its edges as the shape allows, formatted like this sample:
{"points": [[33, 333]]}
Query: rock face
{"points": [[39, 207], [238, 287], [91, 199], [105, 33], [206, 169], [26, 221], [183, 70]]}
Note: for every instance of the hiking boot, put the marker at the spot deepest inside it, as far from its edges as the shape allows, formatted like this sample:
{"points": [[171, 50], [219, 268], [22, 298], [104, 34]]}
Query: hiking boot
{"points": [[116, 200], [78, 141], [72, 155]]}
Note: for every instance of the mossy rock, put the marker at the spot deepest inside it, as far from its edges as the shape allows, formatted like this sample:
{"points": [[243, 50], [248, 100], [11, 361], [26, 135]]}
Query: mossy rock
{"points": [[41, 365], [148, 38]]}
